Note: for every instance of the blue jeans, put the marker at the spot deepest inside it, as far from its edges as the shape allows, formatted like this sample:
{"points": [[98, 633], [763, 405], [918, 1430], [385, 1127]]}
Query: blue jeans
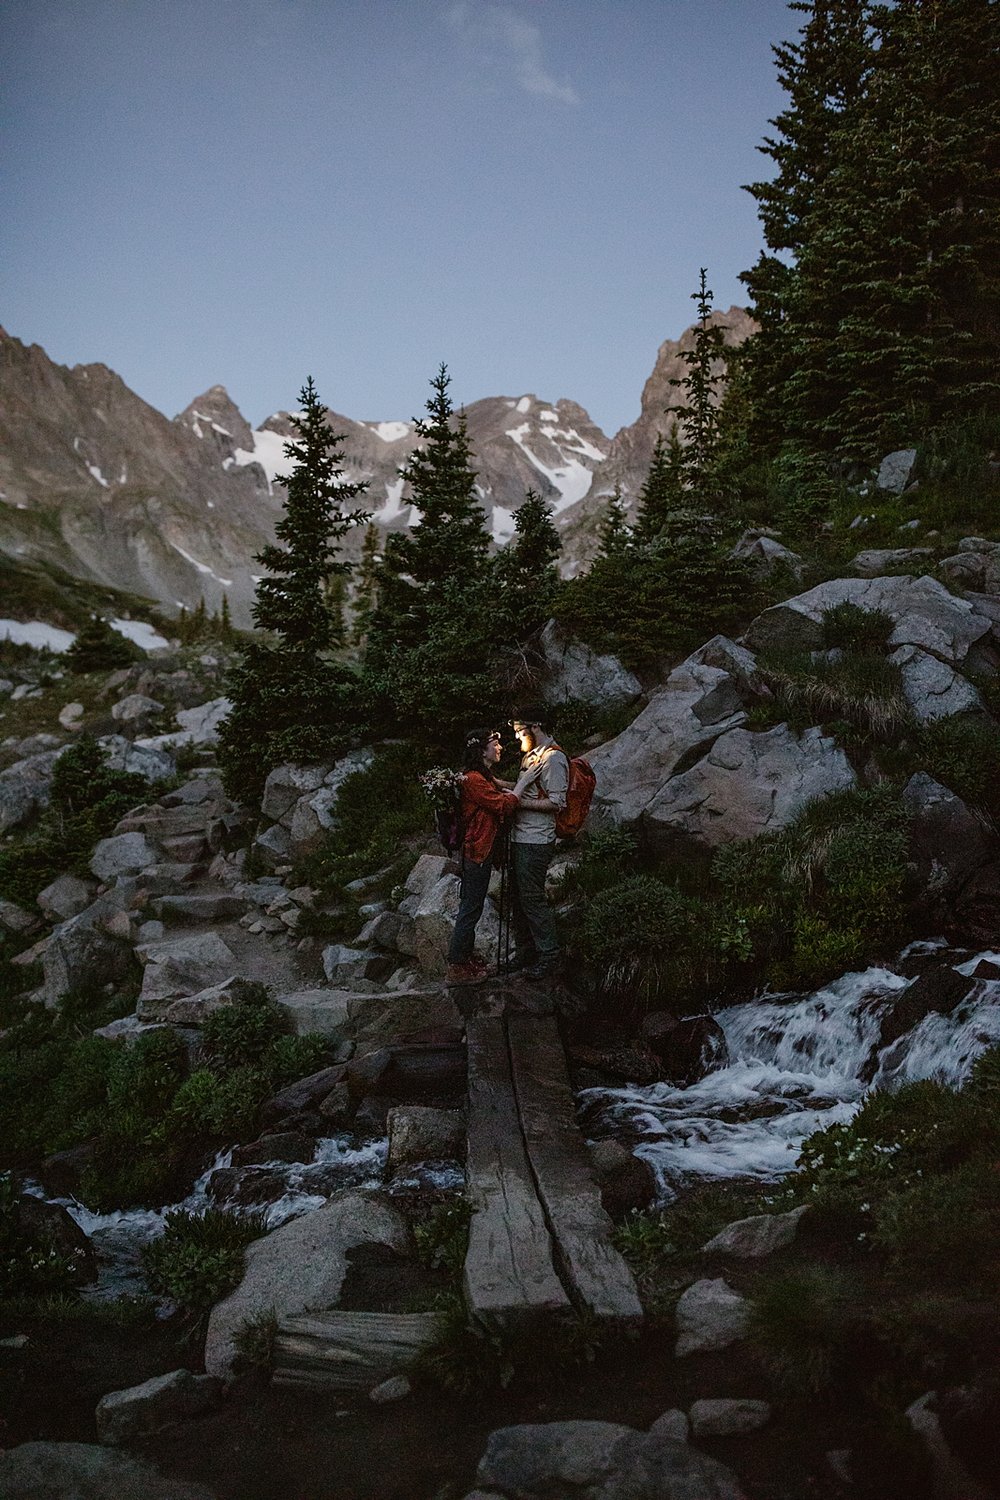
{"points": [[471, 900], [532, 922]]}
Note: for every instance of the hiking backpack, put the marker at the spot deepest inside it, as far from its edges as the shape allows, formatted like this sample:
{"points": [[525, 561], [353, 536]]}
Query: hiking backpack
{"points": [[579, 793], [449, 824]]}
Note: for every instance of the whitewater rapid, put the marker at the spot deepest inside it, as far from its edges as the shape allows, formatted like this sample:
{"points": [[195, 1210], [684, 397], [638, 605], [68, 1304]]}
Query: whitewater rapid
{"points": [[798, 1063]]}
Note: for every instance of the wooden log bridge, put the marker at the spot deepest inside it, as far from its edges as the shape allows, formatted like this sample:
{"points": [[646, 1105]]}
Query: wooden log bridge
{"points": [[539, 1239]]}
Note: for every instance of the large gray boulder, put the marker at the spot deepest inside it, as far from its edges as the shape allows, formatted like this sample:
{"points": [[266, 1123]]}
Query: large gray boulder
{"points": [[65, 897], [86, 1471], [948, 841], [181, 966], [702, 699], [429, 920], [766, 554], [418, 1133], [572, 671], [136, 710], [895, 470], [142, 760], [598, 1461], [25, 788], [932, 688], [122, 854], [923, 612], [155, 1404], [82, 951], [14, 919], [747, 784], [324, 1012], [300, 1268], [877, 560], [728, 1416], [285, 785]]}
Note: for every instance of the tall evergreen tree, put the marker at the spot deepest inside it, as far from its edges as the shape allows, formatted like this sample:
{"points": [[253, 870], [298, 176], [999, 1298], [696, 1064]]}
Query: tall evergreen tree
{"points": [[526, 574], [702, 386], [366, 586], [289, 697], [663, 488], [614, 533], [428, 644], [879, 301]]}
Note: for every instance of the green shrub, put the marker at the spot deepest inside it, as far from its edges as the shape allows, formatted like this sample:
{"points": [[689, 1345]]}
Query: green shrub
{"points": [[31, 1264], [983, 1084], [864, 692], [849, 627], [476, 1358], [200, 1257], [644, 603], [944, 1229], [238, 1035], [87, 800], [219, 1107], [648, 942], [801, 1328], [891, 1142], [963, 753], [100, 648], [378, 810], [442, 1237]]}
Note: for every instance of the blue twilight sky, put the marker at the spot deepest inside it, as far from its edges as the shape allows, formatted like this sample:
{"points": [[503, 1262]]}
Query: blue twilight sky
{"points": [[250, 191]]}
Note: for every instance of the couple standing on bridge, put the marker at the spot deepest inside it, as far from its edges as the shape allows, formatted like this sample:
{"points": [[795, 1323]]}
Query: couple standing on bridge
{"points": [[526, 810]]}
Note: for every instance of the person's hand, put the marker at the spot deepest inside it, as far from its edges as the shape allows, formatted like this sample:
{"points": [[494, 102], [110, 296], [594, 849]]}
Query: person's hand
{"points": [[525, 781]]}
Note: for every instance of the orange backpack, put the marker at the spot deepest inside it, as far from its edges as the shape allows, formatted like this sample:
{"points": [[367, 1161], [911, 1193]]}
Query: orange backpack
{"points": [[579, 793]]}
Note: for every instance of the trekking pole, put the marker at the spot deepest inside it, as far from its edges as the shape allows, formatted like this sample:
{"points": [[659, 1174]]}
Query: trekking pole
{"points": [[503, 928]]}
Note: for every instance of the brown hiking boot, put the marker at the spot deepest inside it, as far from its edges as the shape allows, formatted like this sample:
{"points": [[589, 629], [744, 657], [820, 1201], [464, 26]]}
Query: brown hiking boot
{"points": [[467, 973]]}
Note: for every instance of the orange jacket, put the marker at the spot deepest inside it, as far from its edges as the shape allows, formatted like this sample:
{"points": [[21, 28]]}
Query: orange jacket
{"points": [[485, 808]]}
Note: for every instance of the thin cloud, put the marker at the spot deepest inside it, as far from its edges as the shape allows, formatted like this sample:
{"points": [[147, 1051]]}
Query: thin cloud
{"points": [[499, 30]]}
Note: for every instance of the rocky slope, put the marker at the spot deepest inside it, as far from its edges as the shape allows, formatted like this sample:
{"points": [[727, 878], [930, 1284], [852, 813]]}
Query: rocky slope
{"points": [[96, 482]]}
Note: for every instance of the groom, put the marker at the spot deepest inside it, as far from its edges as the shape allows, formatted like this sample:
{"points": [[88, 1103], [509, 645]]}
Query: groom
{"points": [[536, 947]]}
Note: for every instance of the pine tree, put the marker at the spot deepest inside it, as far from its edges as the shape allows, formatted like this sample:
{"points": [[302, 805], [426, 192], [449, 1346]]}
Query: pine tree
{"points": [[226, 620], [614, 533], [663, 490], [429, 638], [880, 306], [100, 648], [366, 586], [291, 701], [702, 386], [527, 577]]}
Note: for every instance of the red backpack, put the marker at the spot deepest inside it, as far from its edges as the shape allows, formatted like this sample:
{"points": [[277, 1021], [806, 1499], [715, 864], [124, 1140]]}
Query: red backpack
{"points": [[579, 793]]}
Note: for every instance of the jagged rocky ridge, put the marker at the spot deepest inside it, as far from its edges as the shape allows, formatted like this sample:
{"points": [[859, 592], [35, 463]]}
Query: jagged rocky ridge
{"points": [[96, 482]]}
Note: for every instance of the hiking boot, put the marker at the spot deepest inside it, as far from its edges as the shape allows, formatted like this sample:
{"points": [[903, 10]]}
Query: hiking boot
{"points": [[467, 973], [518, 963], [479, 964], [545, 970]]}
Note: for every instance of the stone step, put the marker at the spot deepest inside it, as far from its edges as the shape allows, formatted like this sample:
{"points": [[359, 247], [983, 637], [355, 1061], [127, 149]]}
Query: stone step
{"points": [[185, 848], [172, 877], [183, 910]]}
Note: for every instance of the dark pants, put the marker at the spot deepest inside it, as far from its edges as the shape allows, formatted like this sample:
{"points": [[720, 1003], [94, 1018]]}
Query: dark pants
{"points": [[532, 922], [472, 898]]}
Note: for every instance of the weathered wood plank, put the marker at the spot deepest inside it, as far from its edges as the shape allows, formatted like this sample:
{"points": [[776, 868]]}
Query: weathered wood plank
{"points": [[595, 1274], [509, 1270], [349, 1351]]}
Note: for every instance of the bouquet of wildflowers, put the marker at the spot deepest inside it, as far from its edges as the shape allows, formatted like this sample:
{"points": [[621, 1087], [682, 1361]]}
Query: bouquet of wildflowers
{"points": [[441, 785]]}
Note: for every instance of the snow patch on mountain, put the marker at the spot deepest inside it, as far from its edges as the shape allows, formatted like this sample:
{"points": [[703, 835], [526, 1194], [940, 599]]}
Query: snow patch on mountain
{"points": [[201, 567], [390, 432], [393, 506], [268, 451], [572, 480]]}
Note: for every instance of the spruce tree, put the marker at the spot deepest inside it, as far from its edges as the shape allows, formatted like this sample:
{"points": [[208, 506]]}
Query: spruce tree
{"points": [[429, 639], [614, 533], [663, 488], [100, 648], [291, 700], [526, 574], [702, 385], [366, 586], [880, 299]]}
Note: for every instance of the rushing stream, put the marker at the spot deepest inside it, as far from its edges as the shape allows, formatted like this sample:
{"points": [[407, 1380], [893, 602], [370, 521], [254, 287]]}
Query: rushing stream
{"points": [[798, 1063]]}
